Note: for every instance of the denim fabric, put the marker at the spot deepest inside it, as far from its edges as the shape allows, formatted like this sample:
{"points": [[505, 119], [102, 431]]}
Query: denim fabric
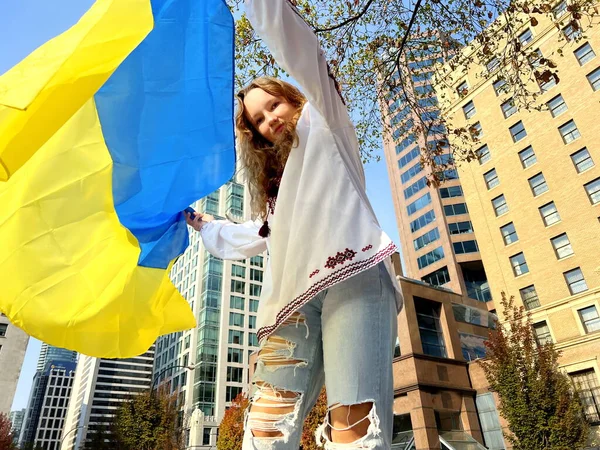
{"points": [[344, 337]]}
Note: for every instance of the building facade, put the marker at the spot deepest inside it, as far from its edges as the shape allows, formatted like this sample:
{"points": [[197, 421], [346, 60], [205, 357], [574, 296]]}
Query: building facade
{"points": [[16, 420], [52, 353], [100, 386], [534, 193], [436, 231], [13, 344], [224, 298], [48, 402]]}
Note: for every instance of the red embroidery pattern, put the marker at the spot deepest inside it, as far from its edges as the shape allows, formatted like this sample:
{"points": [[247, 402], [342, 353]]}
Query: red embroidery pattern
{"points": [[367, 248], [314, 273], [333, 278], [340, 258]]}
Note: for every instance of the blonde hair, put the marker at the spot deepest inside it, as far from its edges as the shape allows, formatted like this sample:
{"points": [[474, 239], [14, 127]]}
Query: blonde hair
{"points": [[263, 161]]}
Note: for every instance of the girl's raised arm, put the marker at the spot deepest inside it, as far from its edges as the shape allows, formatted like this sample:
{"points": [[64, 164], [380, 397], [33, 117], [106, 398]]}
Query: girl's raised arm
{"points": [[296, 49]]}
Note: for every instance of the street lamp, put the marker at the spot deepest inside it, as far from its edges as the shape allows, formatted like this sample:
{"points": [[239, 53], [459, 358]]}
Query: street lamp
{"points": [[188, 367], [69, 432]]}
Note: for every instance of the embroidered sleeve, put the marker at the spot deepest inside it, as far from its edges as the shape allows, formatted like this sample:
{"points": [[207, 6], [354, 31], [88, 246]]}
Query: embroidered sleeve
{"points": [[227, 240], [296, 48]]}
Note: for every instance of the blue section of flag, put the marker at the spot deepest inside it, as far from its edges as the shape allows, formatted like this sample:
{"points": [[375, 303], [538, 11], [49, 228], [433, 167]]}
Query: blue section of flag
{"points": [[167, 118]]}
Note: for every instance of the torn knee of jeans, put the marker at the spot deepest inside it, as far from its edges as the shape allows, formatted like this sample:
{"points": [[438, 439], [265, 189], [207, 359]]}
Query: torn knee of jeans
{"points": [[371, 439], [278, 352], [273, 414]]}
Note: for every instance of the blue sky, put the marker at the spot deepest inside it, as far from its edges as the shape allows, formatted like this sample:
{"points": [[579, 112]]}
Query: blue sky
{"points": [[25, 25]]}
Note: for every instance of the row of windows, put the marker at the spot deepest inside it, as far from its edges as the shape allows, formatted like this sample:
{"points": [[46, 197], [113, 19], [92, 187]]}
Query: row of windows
{"points": [[239, 287], [236, 302], [237, 319], [240, 271], [237, 337], [590, 321]]}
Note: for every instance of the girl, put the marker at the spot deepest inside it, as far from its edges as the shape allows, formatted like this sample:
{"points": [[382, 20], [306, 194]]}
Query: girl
{"points": [[330, 299]]}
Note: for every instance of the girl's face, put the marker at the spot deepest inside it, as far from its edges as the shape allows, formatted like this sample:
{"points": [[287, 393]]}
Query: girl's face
{"points": [[267, 113]]}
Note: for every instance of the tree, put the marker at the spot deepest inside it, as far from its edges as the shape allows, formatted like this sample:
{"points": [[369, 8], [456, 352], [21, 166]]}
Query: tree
{"points": [[364, 39], [149, 421], [6, 436], [539, 401], [312, 422], [231, 429]]}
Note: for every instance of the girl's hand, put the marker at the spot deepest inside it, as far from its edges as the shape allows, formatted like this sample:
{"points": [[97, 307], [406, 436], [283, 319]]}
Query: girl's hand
{"points": [[198, 221]]}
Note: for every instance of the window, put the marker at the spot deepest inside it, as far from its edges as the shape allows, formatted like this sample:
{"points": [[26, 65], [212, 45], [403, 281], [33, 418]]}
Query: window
{"points": [[462, 89], [509, 234], [422, 221], [419, 204], [594, 79], [529, 297], [572, 31], [460, 227], [236, 302], [238, 271], [430, 258], [562, 246], [255, 290], [235, 355], [582, 160], [569, 132], [492, 65], [557, 106], [508, 108], [491, 179], [517, 131], [426, 239], [476, 131], [586, 382], [455, 209], [453, 191], [3, 328], [411, 172], [549, 214], [575, 281], [542, 333], [415, 187], [500, 87], [538, 185], [469, 110], [234, 374], [430, 329], [465, 247], [437, 278], [593, 190], [527, 157], [584, 54], [500, 205], [231, 392], [256, 275], [526, 37], [490, 422], [252, 322], [483, 154], [519, 264], [238, 286], [256, 261], [252, 340], [236, 319], [236, 337], [408, 157], [206, 436], [590, 319], [559, 9]]}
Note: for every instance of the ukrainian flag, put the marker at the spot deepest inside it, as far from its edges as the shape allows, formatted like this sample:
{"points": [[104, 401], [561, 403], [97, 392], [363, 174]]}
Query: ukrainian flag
{"points": [[107, 132]]}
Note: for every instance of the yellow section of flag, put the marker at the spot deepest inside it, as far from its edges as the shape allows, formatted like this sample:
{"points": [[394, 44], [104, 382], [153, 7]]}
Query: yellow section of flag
{"points": [[41, 93]]}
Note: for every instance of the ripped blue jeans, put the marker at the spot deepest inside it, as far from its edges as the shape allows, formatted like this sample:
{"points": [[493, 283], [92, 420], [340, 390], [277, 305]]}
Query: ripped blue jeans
{"points": [[344, 337]]}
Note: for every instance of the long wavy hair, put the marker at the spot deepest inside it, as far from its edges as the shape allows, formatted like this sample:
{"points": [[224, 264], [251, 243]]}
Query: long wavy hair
{"points": [[263, 161]]}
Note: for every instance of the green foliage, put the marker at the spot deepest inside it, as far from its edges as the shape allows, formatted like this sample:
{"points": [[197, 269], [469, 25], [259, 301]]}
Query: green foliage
{"points": [[537, 399], [149, 421], [364, 41]]}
